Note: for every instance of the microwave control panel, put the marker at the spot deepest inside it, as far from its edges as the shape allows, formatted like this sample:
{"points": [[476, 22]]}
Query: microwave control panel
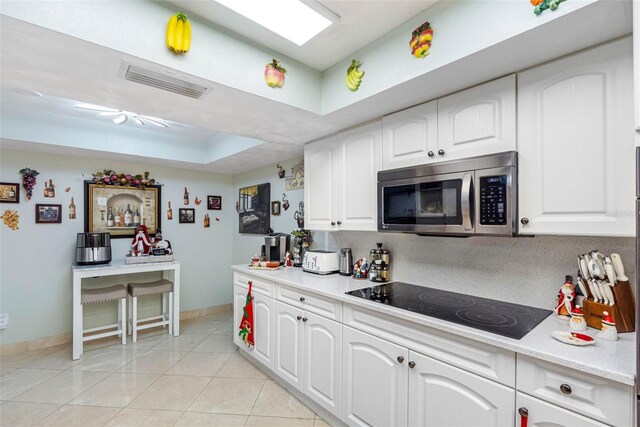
{"points": [[493, 200]]}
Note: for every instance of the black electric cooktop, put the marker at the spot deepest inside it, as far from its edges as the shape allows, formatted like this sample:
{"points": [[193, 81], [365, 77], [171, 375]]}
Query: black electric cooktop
{"points": [[502, 318]]}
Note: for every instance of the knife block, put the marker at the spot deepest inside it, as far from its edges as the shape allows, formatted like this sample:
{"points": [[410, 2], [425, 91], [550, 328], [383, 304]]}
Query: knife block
{"points": [[623, 312]]}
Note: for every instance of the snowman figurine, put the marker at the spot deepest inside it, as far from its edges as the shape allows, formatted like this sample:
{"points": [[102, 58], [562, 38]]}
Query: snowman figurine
{"points": [[608, 331], [577, 322]]}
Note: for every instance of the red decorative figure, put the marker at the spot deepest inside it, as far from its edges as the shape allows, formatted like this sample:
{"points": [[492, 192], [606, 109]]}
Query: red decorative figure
{"points": [[141, 243], [566, 298]]}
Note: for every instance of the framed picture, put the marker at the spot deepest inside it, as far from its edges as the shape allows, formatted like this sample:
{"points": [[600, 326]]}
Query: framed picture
{"points": [[9, 192], [120, 209], [48, 214], [275, 208], [253, 209], [187, 216], [214, 203]]}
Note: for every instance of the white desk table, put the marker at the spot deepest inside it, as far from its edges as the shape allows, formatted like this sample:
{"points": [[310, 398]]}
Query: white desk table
{"points": [[170, 270]]}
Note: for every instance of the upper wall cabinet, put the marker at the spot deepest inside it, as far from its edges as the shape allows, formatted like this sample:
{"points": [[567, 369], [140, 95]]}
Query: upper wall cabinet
{"points": [[576, 144], [410, 137], [341, 179], [477, 121]]}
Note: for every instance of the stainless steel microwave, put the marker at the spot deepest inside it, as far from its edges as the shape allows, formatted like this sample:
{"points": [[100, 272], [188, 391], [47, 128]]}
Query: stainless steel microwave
{"points": [[473, 196]]}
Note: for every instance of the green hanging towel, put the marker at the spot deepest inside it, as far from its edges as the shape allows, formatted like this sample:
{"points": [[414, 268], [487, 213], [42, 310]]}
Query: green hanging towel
{"points": [[246, 324]]}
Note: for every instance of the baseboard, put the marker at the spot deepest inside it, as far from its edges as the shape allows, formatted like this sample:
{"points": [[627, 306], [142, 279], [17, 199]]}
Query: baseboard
{"points": [[45, 342]]}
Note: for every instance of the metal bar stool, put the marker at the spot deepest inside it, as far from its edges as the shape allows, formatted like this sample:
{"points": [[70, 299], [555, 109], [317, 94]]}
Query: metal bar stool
{"points": [[163, 287], [105, 294]]}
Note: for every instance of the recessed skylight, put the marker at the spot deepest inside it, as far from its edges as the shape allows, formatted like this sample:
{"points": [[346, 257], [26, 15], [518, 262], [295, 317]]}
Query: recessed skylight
{"points": [[121, 117], [292, 19]]}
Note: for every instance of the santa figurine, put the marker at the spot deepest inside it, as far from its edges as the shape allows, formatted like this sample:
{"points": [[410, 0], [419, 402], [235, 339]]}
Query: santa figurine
{"points": [[608, 331], [577, 322], [288, 260], [141, 243], [566, 298]]}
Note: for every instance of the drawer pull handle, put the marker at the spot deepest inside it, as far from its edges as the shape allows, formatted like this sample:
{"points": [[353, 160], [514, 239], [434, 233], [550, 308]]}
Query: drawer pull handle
{"points": [[524, 416], [565, 388], [441, 152], [412, 364], [400, 359], [430, 154], [299, 317], [301, 299], [333, 223], [304, 319]]}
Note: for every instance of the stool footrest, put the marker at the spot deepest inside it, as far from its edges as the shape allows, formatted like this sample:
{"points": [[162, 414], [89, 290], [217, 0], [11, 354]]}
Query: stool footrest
{"points": [[103, 335], [100, 328], [152, 325]]}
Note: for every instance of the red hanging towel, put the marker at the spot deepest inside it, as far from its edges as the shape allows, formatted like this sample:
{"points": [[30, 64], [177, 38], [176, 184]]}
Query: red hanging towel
{"points": [[246, 324]]}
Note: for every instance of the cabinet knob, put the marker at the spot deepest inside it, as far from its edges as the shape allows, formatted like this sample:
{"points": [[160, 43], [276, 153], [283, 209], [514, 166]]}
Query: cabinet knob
{"points": [[524, 221], [302, 299], [304, 319], [441, 152], [333, 223], [565, 388], [430, 154], [400, 359], [299, 317], [412, 364], [339, 222], [524, 416]]}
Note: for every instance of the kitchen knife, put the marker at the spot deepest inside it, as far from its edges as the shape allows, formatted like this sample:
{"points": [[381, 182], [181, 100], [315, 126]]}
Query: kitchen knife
{"points": [[611, 272], [608, 292], [619, 268], [593, 265], [582, 286], [584, 266], [596, 269], [603, 291]]}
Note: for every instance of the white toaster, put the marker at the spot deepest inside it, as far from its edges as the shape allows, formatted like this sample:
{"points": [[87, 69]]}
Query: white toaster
{"points": [[321, 262]]}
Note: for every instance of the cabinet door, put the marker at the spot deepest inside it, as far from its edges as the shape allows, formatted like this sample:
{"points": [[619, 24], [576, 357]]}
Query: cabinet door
{"points": [[239, 300], [320, 164], [263, 308], [543, 414], [323, 361], [409, 136], [359, 162], [576, 144], [375, 372], [288, 335], [443, 396], [480, 120]]}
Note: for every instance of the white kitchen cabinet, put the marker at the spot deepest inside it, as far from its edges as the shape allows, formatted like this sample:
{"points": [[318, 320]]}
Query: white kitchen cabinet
{"points": [[410, 137], [636, 61], [375, 376], [441, 395], [341, 180], [308, 354], [576, 144], [263, 310], [477, 121], [543, 414]]}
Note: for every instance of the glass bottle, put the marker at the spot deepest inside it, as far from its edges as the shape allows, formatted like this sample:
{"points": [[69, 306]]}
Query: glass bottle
{"points": [[136, 218], [186, 196], [12, 193], [169, 212], [110, 220], [72, 209], [52, 190], [118, 218], [128, 216]]}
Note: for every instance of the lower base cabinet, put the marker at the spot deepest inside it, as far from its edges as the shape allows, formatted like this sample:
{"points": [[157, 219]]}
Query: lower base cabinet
{"points": [[308, 354], [533, 412], [388, 385]]}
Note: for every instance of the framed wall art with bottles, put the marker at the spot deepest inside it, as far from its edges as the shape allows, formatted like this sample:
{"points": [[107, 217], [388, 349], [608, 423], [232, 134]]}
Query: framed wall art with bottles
{"points": [[119, 210]]}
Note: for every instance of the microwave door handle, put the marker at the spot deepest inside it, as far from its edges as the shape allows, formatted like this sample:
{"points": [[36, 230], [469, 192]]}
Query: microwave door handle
{"points": [[465, 203]]}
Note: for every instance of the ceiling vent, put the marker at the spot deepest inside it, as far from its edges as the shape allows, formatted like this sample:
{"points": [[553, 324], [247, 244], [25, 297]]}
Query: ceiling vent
{"points": [[164, 80]]}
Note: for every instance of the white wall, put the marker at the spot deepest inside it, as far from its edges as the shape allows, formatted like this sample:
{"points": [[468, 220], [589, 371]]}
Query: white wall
{"points": [[246, 245], [523, 270], [36, 260]]}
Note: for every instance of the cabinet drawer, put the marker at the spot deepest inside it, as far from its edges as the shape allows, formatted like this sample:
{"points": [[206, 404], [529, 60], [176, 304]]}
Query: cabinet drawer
{"points": [[541, 414], [485, 360], [259, 286], [317, 304], [594, 397]]}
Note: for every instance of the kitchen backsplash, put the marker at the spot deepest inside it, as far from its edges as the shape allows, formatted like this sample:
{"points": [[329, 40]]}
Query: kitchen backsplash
{"points": [[521, 270]]}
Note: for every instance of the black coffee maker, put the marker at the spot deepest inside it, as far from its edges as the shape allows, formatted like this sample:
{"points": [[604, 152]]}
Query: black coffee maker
{"points": [[276, 246]]}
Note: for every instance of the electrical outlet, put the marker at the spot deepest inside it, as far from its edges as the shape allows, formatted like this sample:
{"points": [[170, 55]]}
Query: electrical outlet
{"points": [[4, 320]]}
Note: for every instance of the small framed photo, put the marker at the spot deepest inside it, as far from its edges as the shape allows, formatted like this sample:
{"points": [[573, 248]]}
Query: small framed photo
{"points": [[214, 203], [275, 208], [9, 192], [48, 214], [187, 216]]}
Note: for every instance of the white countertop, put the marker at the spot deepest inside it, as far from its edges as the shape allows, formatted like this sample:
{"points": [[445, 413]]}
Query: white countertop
{"points": [[120, 264], [612, 360]]}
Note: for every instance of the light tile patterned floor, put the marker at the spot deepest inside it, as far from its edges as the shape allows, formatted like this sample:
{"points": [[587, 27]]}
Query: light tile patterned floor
{"points": [[196, 379]]}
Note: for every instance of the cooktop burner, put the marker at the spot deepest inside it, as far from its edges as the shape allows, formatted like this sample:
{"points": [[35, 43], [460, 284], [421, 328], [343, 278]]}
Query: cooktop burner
{"points": [[502, 318]]}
